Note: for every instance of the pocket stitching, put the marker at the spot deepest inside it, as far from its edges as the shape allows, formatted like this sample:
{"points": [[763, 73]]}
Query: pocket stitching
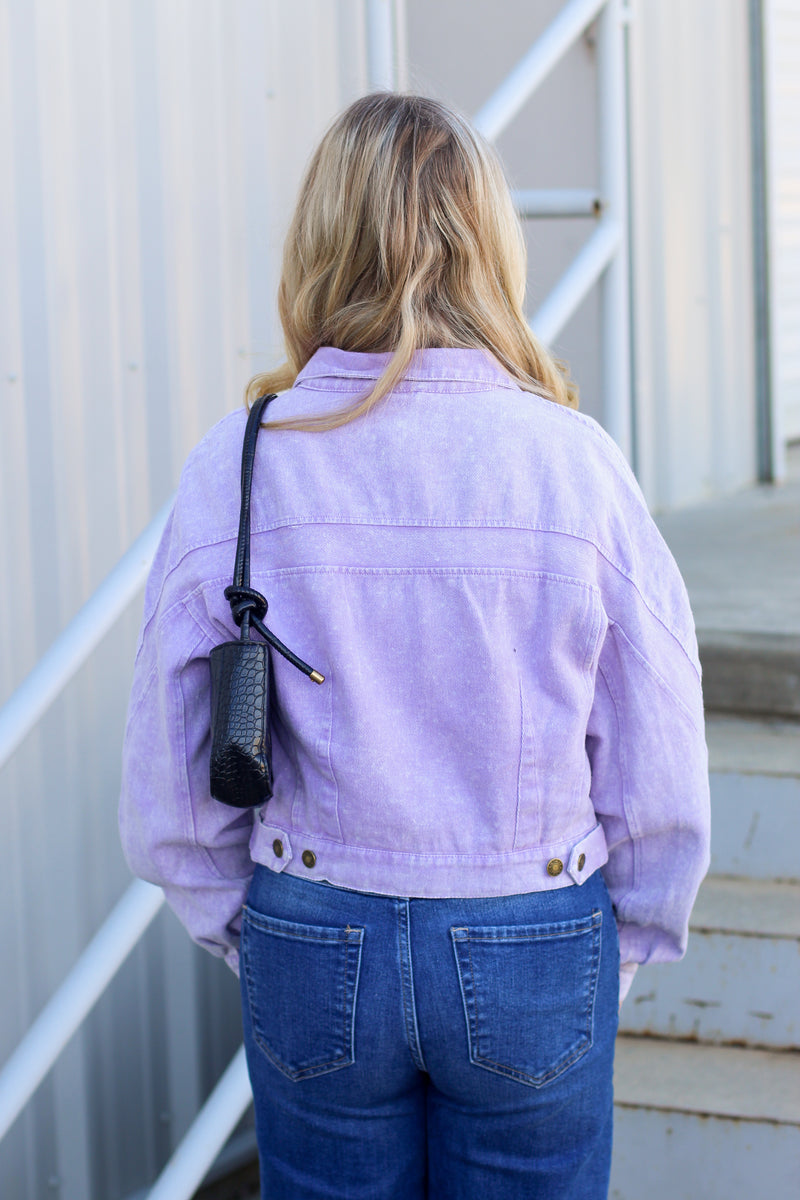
{"points": [[590, 926], [528, 932], [273, 925], [352, 939]]}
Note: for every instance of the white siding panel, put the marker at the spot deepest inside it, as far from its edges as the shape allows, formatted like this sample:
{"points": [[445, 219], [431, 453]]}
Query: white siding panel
{"points": [[782, 55], [151, 153], [692, 249]]}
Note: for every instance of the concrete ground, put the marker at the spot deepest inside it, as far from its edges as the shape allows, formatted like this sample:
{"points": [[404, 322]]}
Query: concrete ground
{"points": [[740, 557]]}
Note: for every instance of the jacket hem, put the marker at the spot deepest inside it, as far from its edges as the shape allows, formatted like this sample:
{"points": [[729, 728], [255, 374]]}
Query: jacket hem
{"points": [[428, 875]]}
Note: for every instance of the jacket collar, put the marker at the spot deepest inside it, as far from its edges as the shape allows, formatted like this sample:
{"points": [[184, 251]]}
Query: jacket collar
{"points": [[439, 364]]}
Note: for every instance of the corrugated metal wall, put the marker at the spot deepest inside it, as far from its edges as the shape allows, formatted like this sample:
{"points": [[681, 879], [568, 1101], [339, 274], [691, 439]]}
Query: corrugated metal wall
{"points": [[151, 150], [782, 53]]}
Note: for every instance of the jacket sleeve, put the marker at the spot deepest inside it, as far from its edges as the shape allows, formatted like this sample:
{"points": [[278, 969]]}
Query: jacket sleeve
{"points": [[173, 833], [647, 752]]}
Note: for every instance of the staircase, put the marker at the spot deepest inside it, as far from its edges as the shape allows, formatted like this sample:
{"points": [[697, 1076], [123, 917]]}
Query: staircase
{"points": [[708, 1058]]}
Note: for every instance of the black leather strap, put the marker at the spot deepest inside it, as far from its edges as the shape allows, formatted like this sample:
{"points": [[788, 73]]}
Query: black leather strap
{"points": [[247, 605], [241, 569]]}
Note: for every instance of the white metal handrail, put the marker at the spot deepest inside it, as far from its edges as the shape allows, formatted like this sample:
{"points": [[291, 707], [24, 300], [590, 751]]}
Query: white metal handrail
{"points": [[121, 931], [534, 67], [74, 999], [557, 202], [577, 280], [603, 256], [208, 1133], [31, 700], [130, 918]]}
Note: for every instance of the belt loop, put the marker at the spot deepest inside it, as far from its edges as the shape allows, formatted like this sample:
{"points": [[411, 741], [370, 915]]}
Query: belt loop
{"points": [[277, 845], [578, 865]]}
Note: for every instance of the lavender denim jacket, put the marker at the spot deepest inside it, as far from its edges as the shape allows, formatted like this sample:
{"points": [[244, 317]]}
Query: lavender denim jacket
{"points": [[512, 696]]}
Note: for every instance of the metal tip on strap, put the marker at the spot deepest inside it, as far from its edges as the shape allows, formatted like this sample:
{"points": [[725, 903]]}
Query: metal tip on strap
{"points": [[315, 675]]}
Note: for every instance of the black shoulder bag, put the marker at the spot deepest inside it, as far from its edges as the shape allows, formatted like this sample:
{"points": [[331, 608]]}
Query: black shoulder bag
{"points": [[241, 745]]}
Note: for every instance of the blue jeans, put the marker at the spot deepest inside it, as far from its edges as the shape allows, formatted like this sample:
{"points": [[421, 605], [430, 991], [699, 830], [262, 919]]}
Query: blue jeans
{"points": [[451, 1049]]}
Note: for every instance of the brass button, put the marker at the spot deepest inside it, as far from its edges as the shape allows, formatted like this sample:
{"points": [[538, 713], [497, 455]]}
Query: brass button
{"points": [[581, 861], [277, 848], [309, 858], [555, 866]]}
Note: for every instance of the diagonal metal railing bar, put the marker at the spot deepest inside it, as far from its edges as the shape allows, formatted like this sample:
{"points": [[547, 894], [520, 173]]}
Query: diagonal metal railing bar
{"points": [[74, 644], [604, 258], [578, 280], [75, 997], [557, 202], [548, 49], [207, 1134], [128, 920]]}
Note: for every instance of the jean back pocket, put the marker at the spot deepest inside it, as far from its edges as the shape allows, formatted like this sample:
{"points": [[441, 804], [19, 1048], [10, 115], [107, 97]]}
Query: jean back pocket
{"points": [[301, 984], [528, 994]]}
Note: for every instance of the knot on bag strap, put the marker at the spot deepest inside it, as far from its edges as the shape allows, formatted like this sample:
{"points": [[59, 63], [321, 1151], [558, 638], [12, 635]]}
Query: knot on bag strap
{"points": [[246, 600], [248, 606]]}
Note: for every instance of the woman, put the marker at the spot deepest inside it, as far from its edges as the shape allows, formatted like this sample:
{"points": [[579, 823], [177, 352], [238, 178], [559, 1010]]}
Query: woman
{"points": [[501, 785]]}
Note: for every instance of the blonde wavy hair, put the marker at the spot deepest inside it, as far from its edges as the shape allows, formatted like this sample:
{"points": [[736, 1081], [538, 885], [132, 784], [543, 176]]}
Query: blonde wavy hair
{"points": [[405, 237]]}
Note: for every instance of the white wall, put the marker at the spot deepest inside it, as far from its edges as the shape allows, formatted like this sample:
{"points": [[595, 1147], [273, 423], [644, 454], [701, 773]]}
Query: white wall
{"points": [[151, 151], [782, 71], [692, 246]]}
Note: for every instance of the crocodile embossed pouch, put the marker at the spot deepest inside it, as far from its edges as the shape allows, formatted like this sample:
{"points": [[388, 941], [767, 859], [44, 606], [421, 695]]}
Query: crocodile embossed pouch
{"points": [[241, 746]]}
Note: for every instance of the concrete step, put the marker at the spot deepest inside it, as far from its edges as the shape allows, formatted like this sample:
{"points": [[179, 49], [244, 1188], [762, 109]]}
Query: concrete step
{"points": [[754, 767], [739, 556], [757, 673], [740, 979], [698, 1122]]}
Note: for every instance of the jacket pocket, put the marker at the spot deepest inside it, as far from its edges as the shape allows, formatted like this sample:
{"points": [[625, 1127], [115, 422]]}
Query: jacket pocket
{"points": [[528, 993], [301, 984]]}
